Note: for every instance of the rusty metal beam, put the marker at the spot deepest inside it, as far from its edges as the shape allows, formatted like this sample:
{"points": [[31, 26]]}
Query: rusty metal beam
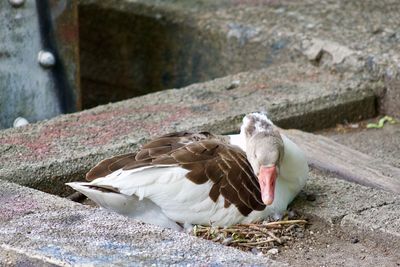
{"points": [[39, 59]]}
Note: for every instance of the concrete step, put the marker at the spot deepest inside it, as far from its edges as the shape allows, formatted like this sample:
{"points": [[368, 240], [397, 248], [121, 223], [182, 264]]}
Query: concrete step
{"points": [[43, 229], [38, 229], [194, 41]]}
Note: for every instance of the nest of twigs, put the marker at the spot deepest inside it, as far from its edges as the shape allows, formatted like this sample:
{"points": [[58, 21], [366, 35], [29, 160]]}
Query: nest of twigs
{"points": [[255, 237]]}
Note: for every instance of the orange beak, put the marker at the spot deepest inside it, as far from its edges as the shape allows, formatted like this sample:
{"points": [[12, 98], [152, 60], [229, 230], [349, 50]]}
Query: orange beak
{"points": [[267, 179]]}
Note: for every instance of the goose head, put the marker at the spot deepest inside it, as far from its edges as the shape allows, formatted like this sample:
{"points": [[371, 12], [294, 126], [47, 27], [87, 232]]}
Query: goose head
{"points": [[264, 151]]}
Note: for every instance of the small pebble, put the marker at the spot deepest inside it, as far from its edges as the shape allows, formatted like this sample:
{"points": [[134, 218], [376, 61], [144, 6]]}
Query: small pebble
{"points": [[255, 251], [354, 240], [292, 214], [277, 216], [354, 125], [273, 251], [233, 85], [20, 121], [300, 235], [227, 241]]}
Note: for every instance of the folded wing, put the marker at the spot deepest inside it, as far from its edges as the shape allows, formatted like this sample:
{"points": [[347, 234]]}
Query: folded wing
{"points": [[185, 173]]}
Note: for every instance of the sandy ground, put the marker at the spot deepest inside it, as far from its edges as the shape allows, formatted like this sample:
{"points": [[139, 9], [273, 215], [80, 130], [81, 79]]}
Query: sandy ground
{"points": [[381, 143], [325, 245]]}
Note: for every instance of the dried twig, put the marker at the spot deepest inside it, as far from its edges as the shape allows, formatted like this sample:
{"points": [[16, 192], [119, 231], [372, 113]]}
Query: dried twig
{"points": [[262, 236]]}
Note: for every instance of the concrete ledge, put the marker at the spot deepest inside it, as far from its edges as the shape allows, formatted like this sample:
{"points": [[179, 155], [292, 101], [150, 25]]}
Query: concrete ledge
{"points": [[382, 220], [370, 212], [48, 154], [17, 201], [45, 230], [230, 36]]}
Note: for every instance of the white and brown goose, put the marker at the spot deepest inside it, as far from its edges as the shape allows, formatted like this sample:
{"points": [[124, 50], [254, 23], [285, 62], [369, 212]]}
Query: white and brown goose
{"points": [[200, 178]]}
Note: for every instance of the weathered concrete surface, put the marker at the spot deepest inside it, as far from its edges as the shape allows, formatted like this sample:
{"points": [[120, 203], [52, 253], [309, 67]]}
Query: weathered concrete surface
{"points": [[381, 143], [18, 201], [230, 36], [48, 154], [384, 218], [371, 212], [41, 229], [351, 165]]}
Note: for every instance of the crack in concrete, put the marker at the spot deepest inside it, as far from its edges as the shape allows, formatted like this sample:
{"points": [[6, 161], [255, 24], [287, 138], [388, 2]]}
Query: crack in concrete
{"points": [[337, 220], [385, 203]]}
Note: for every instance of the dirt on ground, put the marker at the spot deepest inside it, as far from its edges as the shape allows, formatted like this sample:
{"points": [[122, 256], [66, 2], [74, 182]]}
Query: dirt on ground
{"points": [[328, 245], [382, 143], [319, 244]]}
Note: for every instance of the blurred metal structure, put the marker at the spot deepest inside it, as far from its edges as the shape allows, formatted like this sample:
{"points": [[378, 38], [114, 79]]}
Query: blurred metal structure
{"points": [[39, 59]]}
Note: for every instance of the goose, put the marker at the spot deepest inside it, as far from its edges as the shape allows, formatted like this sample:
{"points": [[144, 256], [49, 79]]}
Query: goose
{"points": [[185, 178]]}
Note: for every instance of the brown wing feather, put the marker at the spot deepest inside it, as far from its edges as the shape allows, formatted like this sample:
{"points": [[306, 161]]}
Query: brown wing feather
{"points": [[105, 167], [150, 153], [206, 157], [227, 167]]}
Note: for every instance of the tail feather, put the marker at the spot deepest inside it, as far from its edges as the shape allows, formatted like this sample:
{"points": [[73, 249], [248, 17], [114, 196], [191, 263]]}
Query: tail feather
{"points": [[110, 198], [106, 197]]}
